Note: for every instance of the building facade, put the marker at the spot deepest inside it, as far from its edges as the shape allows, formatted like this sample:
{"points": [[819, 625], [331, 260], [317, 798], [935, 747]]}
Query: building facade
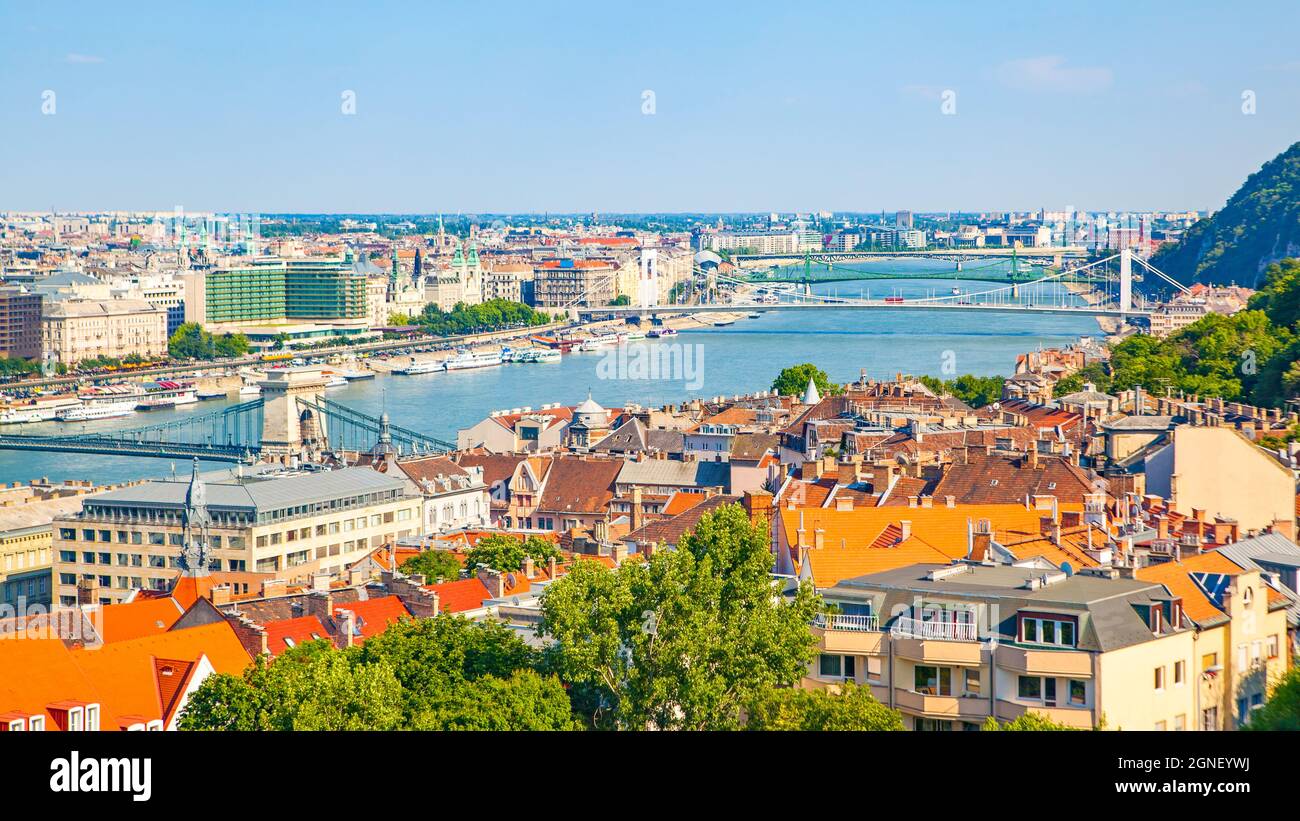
{"points": [[287, 523], [76, 330]]}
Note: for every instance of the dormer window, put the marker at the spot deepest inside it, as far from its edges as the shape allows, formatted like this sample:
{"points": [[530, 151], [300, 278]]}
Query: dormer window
{"points": [[1055, 632]]}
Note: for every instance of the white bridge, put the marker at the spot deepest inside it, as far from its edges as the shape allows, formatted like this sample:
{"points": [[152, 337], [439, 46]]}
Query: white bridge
{"points": [[1105, 290]]}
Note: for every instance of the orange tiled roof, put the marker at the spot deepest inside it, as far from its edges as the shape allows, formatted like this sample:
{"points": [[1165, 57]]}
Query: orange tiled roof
{"points": [[142, 617], [1177, 577], [460, 596], [375, 615], [298, 631]]}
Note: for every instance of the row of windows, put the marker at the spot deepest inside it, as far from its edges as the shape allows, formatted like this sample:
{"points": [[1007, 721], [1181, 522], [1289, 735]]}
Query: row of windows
{"points": [[137, 537]]}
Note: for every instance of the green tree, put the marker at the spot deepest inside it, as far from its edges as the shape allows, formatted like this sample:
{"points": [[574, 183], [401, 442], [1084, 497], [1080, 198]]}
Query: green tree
{"points": [[1093, 372], [433, 564], [793, 708], [684, 641], [976, 391], [431, 674], [190, 341], [622, 299], [310, 687], [1030, 721], [793, 381], [507, 553], [1282, 710]]}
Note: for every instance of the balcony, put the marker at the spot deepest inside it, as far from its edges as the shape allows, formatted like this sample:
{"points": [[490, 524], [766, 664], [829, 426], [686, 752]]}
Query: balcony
{"points": [[942, 706], [1080, 718], [1069, 663], [849, 634], [940, 642]]}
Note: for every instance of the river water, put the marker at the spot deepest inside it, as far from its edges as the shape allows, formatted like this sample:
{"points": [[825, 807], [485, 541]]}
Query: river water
{"points": [[709, 361]]}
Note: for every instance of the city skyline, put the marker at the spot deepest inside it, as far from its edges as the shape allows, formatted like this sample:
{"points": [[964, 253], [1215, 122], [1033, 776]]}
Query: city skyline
{"points": [[826, 108]]}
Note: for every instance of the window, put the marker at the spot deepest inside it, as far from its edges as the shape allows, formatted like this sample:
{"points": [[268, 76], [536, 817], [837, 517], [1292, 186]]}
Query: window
{"points": [[831, 666], [1057, 632], [1180, 722], [1272, 647], [92, 718], [1160, 678], [875, 668], [37, 723], [1159, 727], [1078, 693], [933, 681], [1030, 687], [1178, 673], [75, 720], [972, 683], [1209, 660]]}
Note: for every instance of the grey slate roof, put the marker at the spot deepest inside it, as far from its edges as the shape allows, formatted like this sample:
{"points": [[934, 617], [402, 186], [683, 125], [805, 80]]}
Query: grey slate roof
{"points": [[677, 474], [258, 493], [1104, 607]]}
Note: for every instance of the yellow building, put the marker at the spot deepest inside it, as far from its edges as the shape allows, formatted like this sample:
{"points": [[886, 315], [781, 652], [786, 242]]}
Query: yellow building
{"points": [[951, 645], [1221, 472], [1240, 641], [293, 524], [27, 515], [75, 330]]}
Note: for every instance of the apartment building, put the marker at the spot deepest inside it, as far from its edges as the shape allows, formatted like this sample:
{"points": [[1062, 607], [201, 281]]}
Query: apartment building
{"points": [[289, 523], [951, 645], [20, 323], [564, 283], [75, 330]]}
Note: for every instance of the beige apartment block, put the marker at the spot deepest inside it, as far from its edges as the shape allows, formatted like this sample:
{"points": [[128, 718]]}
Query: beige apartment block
{"points": [[950, 646], [293, 524], [1222, 473], [75, 330]]}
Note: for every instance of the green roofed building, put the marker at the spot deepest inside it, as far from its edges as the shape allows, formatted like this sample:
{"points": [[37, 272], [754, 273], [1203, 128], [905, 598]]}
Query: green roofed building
{"points": [[267, 292]]}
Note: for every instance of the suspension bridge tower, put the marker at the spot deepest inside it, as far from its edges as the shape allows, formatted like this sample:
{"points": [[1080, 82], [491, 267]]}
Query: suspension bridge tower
{"points": [[288, 426], [1126, 280]]}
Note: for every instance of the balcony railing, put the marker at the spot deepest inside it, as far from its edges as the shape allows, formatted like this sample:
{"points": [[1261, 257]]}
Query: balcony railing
{"points": [[860, 624], [908, 628]]}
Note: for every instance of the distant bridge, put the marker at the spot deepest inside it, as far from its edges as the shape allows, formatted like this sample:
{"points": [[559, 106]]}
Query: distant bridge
{"points": [[1109, 293], [1056, 254]]}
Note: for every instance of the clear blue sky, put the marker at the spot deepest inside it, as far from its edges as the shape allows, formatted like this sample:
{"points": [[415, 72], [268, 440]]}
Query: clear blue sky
{"points": [[505, 106]]}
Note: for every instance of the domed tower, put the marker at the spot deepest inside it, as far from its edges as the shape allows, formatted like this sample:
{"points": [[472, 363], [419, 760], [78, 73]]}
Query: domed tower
{"points": [[590, 424]]}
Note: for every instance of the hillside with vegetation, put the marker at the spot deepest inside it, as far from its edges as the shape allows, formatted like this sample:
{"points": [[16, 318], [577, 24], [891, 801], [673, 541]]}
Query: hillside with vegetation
{"points": [[1259, 225], [1252, 356]]}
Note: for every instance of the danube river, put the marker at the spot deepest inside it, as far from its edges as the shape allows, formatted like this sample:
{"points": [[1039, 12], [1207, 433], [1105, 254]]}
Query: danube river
{"points": [[737, 358]]}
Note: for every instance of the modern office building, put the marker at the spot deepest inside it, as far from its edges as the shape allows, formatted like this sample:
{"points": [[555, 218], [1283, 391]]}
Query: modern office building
{"points": [[265, 291]]}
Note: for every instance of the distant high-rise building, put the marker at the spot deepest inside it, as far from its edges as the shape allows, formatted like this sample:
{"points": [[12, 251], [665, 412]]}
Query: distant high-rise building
{"points": [[903, 219]]}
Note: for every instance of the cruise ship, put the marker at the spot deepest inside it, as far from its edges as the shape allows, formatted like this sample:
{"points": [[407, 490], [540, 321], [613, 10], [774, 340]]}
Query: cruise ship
{"points": [[100, 408], [660, 333], [417, 368], [167, 394], [463, 360], [43, 409], [597, 342]]}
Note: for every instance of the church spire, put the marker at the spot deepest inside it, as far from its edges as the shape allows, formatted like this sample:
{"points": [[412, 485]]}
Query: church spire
{"points": [[195, 521]]}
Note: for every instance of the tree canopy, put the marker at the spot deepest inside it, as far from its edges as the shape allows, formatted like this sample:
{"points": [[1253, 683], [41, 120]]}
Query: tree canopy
{"points": [[190, 341], [491, 315], [507, 553], [976, 391], [684, 641], [433, 564], [853, 708], [793, 381], [432, 674], [1282, 710]]}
